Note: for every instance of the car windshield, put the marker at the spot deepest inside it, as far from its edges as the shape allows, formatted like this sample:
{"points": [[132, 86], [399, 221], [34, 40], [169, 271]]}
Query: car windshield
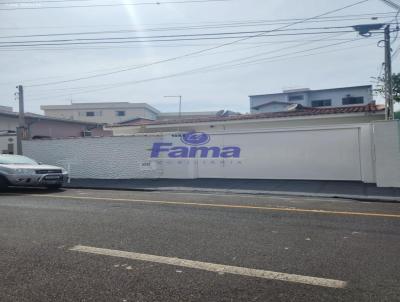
{"points": [[16, 160]]}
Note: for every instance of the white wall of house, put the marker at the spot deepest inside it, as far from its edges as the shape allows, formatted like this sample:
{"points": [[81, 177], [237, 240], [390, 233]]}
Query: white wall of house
{"points": [[8, 123], [308, 96], [8, 144], [336, 95], [6, 108], [52, 128], [110, 116], [331, 152], [101, 112]]}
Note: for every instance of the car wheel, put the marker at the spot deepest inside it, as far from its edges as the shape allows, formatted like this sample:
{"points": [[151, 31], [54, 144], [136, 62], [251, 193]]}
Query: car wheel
{"points": [[3, 183]]}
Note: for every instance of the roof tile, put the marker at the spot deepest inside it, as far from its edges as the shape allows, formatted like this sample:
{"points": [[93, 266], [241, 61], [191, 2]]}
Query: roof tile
{"points": [[302, 111]]}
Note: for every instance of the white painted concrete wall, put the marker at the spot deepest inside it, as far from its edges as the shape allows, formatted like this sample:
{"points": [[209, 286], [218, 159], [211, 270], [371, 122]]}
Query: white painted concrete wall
{"points": [[328, 153], [345, 152], [337, 95], [102, 115], [103, 158], [5, 140], [8, 123], [365, 152], [386, 137]]}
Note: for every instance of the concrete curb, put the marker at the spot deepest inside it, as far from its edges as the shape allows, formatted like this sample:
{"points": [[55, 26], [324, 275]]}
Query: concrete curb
{"points": [[247, 192]]}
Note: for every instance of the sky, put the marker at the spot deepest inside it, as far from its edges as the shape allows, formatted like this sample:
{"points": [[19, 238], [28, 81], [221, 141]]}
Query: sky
{"points": [[326, 54]]}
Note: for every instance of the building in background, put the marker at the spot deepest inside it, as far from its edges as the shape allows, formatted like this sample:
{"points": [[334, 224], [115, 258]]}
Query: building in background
{"points": [[8, 141], [107, 113], [334, 97], [6, 109], [298, 117], [116, 113], [42, 127]]}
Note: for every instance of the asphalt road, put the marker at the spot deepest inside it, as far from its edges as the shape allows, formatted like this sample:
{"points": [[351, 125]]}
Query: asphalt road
{"points": [[87, 245]]}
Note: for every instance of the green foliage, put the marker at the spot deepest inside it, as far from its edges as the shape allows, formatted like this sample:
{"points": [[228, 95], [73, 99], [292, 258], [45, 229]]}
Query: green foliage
{"points": [[380, 87], [396, 87]]}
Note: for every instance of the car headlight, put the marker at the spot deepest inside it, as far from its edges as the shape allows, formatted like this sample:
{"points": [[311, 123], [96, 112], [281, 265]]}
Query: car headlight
{"points": [[7, 170], [24, 171]]}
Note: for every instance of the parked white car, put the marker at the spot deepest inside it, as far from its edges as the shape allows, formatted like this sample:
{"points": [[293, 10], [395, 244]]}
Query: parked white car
{"points": [[21, 171]]}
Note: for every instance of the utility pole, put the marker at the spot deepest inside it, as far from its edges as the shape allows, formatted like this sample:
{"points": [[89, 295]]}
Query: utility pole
{"points": [[365, 31], [180, 106], [180, 102], [21, 120], [389, 109]]}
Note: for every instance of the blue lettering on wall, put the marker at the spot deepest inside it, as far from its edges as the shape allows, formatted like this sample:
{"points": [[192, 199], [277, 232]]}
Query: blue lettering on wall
{"points": [[194, 150]]}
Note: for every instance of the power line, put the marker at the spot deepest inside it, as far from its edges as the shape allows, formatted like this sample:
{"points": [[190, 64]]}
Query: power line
{"points": [[150, 37], [163, 40], [43, 1], [178, 45], [255, 45], [181, 28], [254, 56], [303, 42], [201, 70], [105, 5], [232, 23], [237, 60], [171, 36], [202, 50]]}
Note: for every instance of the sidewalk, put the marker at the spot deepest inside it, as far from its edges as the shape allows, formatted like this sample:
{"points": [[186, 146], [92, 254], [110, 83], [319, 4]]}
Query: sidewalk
{"points": [[342, 189]]}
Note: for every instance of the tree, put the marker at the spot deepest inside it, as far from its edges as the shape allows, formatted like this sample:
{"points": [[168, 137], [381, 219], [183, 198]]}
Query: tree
{"points": [[380, 89], [396, 86]]}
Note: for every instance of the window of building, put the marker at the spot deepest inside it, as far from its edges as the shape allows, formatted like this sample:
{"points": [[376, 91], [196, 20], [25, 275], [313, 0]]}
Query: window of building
{"points": [[120, 113], [90, 113], [350, 100], [321, 103], [297, 97]]}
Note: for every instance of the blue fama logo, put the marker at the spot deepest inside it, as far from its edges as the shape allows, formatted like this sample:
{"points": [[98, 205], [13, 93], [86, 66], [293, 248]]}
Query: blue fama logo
{"points": [[194, 140]]}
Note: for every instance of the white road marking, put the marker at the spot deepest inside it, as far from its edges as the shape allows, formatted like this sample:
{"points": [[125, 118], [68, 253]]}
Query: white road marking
{"points": [[212, 267]]}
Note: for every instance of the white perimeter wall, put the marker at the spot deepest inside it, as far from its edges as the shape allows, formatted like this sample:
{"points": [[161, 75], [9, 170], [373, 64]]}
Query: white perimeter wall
{"points": [[386, 137], [345, 152], [5, 140]]}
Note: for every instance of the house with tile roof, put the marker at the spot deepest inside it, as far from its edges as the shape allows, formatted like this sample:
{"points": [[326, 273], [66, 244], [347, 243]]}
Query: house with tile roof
{"points": [[43, 127], [332, 97], [296, 116]]}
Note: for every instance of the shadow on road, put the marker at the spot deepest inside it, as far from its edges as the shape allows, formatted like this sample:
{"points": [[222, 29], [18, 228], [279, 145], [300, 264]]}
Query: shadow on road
{"points": [[20, 191]]}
